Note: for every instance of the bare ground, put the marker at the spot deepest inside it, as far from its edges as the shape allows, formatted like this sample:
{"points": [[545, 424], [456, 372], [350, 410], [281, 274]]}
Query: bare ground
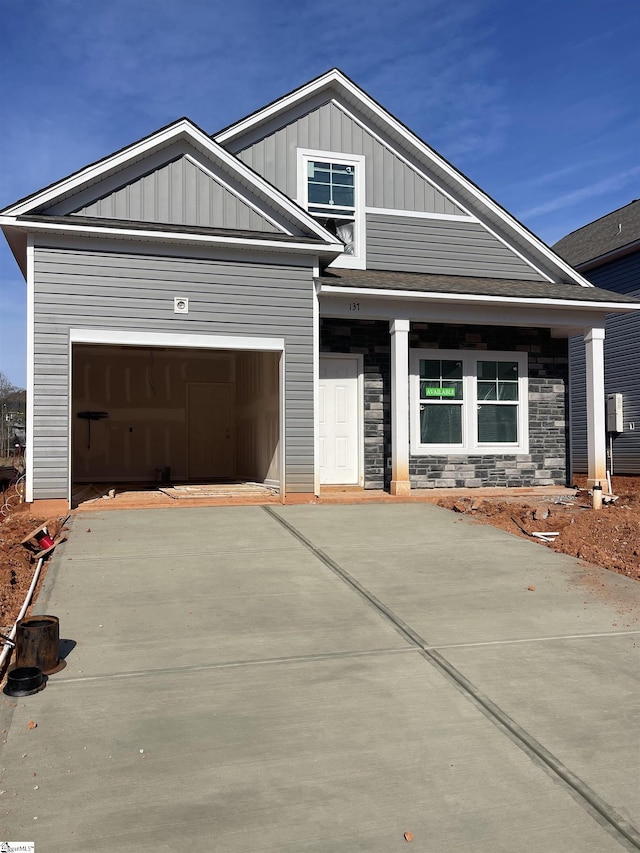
{"points": [[609, 537]]}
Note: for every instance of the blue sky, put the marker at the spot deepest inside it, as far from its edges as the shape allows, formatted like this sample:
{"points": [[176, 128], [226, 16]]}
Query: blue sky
{"points": [[537, 102]]}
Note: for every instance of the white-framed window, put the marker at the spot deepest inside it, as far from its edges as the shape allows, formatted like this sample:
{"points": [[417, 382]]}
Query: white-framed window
{"points": [[468, 401], [331, 187]]}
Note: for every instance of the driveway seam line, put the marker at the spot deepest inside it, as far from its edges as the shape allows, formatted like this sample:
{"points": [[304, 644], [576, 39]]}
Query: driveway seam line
{"points": [[237, 664], [519, 736], [534, 640]]}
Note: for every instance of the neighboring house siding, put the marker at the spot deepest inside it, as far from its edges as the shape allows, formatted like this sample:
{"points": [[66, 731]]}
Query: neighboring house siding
{"points": [[450, 247], [622, 370], [390, 182], [546, 462], [180, 193], [130, 292]]}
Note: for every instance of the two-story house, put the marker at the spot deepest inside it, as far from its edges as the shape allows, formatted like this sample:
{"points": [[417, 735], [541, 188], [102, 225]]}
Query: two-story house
{"points": [[310, 296]]}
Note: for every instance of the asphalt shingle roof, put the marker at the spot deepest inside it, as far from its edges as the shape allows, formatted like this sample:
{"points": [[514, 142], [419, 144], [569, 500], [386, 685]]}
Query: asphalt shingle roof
{"points": [[469, 285], [103, 222], [616, 230]]}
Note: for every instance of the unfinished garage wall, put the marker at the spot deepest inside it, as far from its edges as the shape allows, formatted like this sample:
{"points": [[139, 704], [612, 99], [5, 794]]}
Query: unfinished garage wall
{"points": [[143, 394], [258, 417]]}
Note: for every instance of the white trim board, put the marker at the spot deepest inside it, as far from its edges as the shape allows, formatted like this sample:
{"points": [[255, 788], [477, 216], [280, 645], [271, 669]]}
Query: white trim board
{"points": [[30, 368], [169, 339], [422, 214]]}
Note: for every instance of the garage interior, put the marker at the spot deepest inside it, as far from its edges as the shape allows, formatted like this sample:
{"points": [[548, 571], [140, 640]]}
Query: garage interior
{"points": [[150, 416]]}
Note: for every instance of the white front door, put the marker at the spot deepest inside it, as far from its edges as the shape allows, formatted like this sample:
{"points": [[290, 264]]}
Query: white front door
{"points": [[338, 420]]}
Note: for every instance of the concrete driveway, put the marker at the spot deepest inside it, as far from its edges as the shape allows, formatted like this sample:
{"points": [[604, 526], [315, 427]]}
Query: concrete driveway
{"points": [[326, 678]]}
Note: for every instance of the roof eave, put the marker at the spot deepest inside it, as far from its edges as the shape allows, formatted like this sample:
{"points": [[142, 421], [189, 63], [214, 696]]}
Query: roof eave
{"points": [[608, 257], [478, 299], [322, 249]]}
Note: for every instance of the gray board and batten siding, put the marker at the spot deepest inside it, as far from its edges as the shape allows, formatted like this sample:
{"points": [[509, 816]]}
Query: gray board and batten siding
{"points": [[409, 243], [180, 193], [127, 291], [177, 185], [622, 370], [390, 182]]}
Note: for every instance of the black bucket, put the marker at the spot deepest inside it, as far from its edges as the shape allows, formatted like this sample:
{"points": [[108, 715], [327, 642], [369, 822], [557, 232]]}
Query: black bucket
{"points": [[38, 643], [24, 681]]}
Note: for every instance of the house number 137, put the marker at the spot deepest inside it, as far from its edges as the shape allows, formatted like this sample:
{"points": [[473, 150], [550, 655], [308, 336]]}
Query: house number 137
{"points": [[354, 306]]}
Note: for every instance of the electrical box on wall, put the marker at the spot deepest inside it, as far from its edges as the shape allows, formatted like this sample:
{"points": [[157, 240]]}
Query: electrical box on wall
{"points": [[180, 305], [614, 413]]}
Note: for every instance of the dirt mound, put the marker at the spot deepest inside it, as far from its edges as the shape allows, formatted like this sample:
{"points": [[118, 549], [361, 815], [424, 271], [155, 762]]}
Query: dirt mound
{"points": [[609, 537], [17, 565]]}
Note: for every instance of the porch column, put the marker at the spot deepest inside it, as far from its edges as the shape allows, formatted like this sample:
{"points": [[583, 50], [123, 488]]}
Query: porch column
{"points": [[596, 422], [400, 484]]}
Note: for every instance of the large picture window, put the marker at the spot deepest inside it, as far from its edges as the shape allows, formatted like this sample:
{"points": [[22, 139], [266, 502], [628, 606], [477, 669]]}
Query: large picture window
{"points": [[468, 402], [331, 188]]}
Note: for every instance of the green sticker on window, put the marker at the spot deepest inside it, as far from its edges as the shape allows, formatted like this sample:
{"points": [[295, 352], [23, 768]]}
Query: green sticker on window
{"points": [[438, 392]]}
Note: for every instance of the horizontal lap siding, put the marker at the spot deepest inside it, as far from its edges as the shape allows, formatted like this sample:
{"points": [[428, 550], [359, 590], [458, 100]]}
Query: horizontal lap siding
{"points": [[411, 244], [622, 376], [134, 292], [622, 370]]}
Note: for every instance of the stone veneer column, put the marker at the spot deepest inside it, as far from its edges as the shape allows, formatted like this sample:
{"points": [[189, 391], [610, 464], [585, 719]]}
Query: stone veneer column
{"points": [[596, 423], [400, 483]]}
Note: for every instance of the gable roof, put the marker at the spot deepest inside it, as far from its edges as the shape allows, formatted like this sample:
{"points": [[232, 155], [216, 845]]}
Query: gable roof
{"points": [[603, 239], [335, 83], [55, 205]]}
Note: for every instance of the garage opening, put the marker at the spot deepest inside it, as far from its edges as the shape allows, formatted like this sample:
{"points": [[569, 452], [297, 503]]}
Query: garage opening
{"points": [[164, 416]]}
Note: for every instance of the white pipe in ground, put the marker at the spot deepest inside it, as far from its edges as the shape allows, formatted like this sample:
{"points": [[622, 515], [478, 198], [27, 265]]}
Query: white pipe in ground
{"points": [[6, 651]]}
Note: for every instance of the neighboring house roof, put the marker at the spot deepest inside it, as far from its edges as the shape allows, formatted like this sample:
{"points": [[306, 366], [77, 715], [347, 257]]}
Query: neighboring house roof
{"points": [[335, 83], [604, 239], [425, 283]]}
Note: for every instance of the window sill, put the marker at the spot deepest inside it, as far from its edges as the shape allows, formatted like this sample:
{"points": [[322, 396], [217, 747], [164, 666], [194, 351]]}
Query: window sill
{"points": [[456, 450]]}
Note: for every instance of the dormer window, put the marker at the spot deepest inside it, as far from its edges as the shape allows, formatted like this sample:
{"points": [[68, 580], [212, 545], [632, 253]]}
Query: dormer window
{"points": [[331, 188]]}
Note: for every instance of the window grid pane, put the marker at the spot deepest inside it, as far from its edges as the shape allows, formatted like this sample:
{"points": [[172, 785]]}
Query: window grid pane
{"points": [[331, 183], [497, 380], [441, 380]]}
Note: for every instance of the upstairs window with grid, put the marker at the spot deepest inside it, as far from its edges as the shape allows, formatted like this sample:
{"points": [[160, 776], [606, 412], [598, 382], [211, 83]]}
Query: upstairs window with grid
{"points": [[331, 199]]}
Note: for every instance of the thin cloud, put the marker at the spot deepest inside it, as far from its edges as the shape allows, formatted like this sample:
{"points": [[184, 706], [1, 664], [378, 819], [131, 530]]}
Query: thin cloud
{"points": [[610, 184]]}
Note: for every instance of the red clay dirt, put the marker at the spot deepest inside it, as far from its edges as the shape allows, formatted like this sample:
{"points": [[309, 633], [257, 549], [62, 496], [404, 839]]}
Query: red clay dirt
{"points": [[608, 537]]}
